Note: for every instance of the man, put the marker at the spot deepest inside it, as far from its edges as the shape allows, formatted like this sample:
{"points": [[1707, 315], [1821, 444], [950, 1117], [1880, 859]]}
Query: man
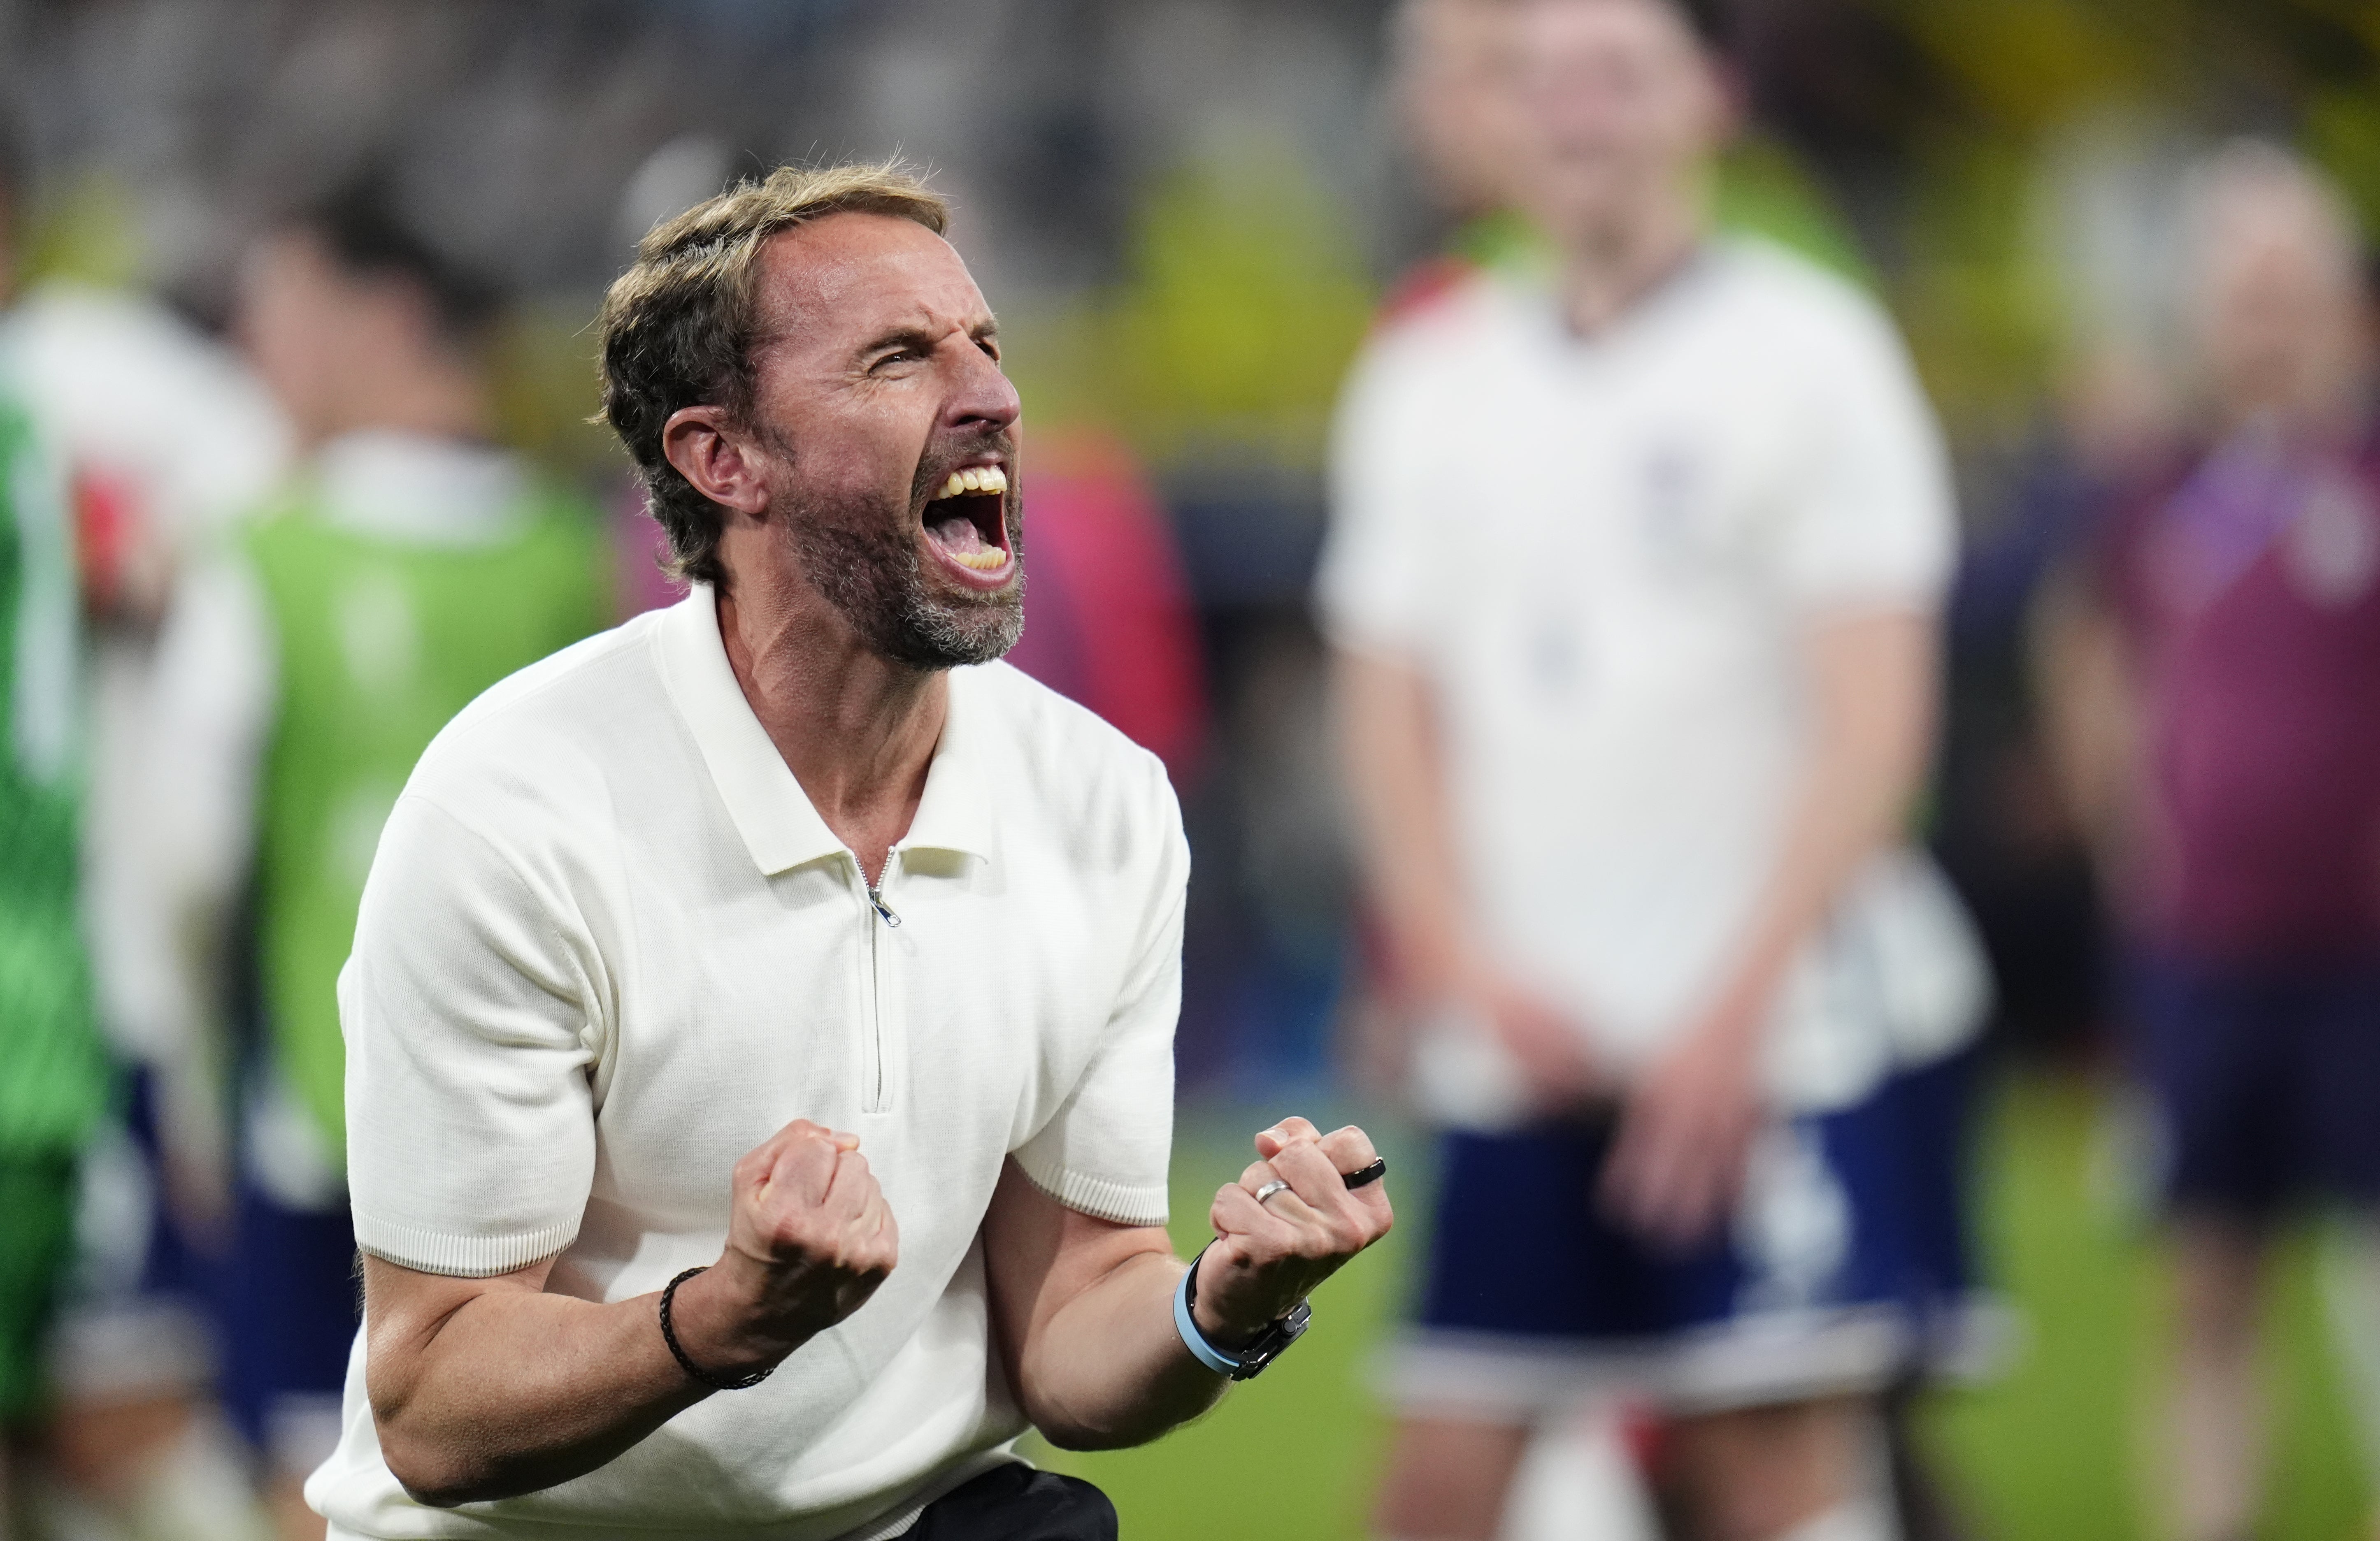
{"points": [[2217, 678], [409, 565], [1632, 580], [54, 1076], [779, 984]]}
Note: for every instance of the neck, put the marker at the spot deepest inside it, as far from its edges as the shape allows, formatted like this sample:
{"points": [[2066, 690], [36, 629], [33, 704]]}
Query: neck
{"points": [[856, 730], [1606, 272]]}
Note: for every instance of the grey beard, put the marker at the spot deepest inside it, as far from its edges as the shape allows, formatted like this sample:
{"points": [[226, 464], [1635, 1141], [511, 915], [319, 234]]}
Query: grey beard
{"points": [[867, 569]]}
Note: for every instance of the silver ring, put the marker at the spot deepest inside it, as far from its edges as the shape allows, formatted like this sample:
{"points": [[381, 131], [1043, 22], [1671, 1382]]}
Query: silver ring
{"points": [[1275, 1186]]}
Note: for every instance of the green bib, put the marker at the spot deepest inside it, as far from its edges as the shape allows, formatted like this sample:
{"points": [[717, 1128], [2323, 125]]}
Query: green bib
{"points": [[53, 1069], [380, 643]]}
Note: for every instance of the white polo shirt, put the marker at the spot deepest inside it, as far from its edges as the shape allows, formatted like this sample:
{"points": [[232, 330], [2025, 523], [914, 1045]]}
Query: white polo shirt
{"points": [[1604, 553], [608, 947]]}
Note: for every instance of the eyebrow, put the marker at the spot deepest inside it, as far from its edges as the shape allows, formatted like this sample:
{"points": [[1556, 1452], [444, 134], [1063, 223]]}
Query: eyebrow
{"points": [[913, 336]]}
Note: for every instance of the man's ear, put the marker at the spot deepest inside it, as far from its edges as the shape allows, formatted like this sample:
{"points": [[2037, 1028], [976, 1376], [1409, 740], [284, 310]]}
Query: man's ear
{"points": [[717, 459]]}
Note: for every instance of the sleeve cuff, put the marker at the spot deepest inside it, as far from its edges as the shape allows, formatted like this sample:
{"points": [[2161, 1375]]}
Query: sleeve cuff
{"points": [[1100, 1197], [411, 1246]]}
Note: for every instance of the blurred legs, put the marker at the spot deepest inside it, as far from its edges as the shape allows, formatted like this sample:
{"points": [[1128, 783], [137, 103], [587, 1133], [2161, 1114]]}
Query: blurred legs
{"points": [[285, 1493], [2216, 1422], [1796, 1472], [1448, 1478]]}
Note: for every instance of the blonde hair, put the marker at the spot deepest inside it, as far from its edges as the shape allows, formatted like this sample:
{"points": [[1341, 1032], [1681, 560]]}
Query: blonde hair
{"points": [[676, 329]]}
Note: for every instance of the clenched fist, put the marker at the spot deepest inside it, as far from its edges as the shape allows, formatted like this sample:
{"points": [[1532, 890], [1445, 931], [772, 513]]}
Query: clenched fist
{"points": [[810, 1238], [1269, 1255]]}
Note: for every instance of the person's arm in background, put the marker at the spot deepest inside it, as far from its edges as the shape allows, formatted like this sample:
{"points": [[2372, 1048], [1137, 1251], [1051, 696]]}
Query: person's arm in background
{"points": [[212, 691], [1680, 1157], [2082, 677], [1406, 839]]}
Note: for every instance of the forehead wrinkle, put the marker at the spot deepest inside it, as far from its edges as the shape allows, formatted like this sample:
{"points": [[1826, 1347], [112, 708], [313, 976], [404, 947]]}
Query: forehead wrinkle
{"points": [[785, 315]]}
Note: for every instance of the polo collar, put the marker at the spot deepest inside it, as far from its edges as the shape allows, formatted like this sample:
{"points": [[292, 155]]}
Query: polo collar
{"points": [[781, 828]]}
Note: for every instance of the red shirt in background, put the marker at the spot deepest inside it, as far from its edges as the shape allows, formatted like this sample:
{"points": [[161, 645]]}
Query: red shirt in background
{"points": [[1108, 617], [2251, 595]]}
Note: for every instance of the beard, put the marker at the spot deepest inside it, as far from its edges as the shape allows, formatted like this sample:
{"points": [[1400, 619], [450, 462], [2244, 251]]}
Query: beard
{"points": [[862, 555]]}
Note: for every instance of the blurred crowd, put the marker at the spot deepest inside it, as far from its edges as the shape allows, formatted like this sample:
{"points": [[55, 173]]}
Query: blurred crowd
{"points": [[1711, 579]]}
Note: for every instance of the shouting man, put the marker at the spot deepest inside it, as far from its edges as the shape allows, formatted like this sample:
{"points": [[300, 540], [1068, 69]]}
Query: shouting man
{"points": [[761, 1018]]}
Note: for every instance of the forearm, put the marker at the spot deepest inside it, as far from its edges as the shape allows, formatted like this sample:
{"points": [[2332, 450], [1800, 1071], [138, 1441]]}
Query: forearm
{"points": [[514, 1389], [1109, 1370], [1389, 747], [1875, 689], [2084, 683]]}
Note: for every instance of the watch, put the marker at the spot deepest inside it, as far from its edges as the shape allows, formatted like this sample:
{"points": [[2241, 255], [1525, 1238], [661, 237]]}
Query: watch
{"points": [[1249, 1361]]}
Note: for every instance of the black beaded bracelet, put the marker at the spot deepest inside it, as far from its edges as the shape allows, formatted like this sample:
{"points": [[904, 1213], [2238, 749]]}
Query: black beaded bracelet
{"points": [[744, 1382]]}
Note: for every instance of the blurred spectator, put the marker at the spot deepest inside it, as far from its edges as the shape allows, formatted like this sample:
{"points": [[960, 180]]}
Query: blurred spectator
{"points": [[1634, 579], [154, 432], [53, 1071], [2218, 682], [407, 567]]}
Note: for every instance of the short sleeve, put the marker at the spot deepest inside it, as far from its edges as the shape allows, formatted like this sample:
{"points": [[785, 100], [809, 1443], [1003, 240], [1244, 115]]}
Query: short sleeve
{"points": [[1374, 589], [471, 1117], [1870, 517], [1105, 1151]]}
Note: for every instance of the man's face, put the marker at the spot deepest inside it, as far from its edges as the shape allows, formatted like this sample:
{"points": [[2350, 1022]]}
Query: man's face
{"points": [[1620, 105], [325, 341], [294, 314], [2280, 317], [1457, 101], [891, 436]]}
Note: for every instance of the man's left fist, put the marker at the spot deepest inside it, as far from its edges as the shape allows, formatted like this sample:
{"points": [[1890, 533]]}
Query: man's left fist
{"points": [[1269, 1256]]}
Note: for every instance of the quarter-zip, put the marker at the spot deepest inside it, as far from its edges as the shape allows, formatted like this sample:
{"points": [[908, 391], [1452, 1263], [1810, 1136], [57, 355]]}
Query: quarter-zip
{"points": [[875, 1091]]}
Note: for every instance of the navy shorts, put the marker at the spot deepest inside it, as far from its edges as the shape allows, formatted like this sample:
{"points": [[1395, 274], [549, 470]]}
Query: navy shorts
{"points": [[2265, 1082], [1845, 1269], [290, 1304]]}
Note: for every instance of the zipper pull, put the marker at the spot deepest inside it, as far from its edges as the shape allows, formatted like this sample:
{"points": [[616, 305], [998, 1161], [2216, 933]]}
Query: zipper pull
{"points": [[878, 900]]}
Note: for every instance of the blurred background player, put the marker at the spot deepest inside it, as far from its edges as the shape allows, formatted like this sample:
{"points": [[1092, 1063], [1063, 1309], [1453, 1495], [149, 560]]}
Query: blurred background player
{"points": [[409, 564], [158, 438], [2219, 676], [54, 1076], [1633, 578]]}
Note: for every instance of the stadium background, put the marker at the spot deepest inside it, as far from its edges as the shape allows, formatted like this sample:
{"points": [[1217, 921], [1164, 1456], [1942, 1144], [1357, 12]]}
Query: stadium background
{"points": [[1187, 211]]}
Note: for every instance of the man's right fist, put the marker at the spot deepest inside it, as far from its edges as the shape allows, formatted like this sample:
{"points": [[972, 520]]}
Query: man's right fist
{"points": [[810, 1238]]}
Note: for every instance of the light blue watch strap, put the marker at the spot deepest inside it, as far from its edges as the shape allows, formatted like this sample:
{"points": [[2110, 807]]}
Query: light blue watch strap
{"points": [[1192, 1338]]}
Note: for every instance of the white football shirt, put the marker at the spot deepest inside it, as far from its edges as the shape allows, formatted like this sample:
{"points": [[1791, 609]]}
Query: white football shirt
{"points": [[608, 946], [1604, 554]]}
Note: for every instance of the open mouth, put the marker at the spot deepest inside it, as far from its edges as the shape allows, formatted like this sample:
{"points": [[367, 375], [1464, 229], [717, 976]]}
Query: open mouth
{"points": [[966, 523]]}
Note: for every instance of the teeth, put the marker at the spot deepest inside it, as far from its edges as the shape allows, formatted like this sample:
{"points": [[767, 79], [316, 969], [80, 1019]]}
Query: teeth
{"points": [[989, 561], [974, 479]]}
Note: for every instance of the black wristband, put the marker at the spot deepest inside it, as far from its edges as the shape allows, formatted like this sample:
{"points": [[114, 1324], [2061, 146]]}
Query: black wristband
{"points": [[744, 1382]]}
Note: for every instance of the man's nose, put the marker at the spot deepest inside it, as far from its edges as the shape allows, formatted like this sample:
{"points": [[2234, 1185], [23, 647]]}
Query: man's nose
{"points": [[983, 395]]}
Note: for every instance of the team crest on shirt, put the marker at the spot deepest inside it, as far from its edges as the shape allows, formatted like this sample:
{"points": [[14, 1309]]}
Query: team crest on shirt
{"points": [[1672, 509]]}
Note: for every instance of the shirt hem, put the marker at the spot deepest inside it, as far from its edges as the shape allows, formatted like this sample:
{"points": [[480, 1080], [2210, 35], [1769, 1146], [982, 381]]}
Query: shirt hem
{"points": [[1100, 1197], [440, 1252]]}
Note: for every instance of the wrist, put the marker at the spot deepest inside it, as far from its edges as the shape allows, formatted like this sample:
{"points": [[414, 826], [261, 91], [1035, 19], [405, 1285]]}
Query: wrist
{"points": [[717, 1324], [1240, 1361], [1212, 1324]]}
